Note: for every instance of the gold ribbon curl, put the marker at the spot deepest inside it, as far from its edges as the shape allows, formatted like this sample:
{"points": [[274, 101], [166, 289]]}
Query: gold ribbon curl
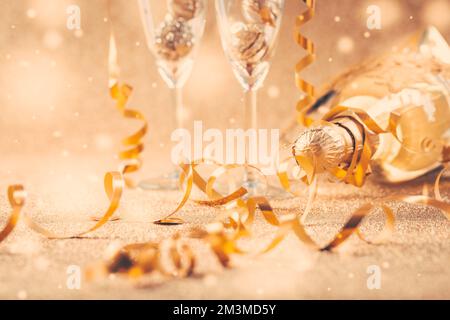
{"points": [[223, 235], [130, 156], [113, 184], [235, 223], [16, 198], [304, 104]]}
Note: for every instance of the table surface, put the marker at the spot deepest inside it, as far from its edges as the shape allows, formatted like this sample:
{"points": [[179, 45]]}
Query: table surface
{"points": [[61, 196]]}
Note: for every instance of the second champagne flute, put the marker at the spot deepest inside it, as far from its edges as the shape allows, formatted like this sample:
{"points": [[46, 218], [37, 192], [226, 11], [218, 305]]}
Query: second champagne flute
{"points": [[249, 29], [173, 30]]}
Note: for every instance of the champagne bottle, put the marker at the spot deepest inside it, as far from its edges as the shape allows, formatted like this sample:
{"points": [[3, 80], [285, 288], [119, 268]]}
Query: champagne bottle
{"points": [[411, 86]]}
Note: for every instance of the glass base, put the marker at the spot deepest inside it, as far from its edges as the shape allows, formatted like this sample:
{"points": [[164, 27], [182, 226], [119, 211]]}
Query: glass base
{"points": [[169, 181], [277, 193]]}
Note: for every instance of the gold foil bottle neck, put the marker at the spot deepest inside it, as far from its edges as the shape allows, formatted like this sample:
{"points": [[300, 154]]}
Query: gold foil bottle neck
{"points": [[329, 145]]}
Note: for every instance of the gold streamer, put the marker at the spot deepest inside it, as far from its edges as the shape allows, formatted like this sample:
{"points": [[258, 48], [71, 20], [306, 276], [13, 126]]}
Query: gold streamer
{"points": [[113, 181], [113, 184], [16, 198], [130, 156], [305, 103], [222, 236]]}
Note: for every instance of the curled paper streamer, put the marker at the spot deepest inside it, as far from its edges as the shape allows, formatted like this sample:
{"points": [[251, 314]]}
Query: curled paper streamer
{"points": [[16, 198], [130, 156], [223, 235], [140, 258], [113, 184], [304, 104], [236, 222]]}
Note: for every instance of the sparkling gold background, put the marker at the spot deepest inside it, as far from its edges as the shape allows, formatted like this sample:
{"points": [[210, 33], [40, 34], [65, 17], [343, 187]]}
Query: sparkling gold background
{"points": [[59, 133], [54, 95]]}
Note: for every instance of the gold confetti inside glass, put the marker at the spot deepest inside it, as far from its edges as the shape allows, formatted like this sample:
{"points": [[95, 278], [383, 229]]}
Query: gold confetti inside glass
{"points": [[249, 30], [173, 30]]}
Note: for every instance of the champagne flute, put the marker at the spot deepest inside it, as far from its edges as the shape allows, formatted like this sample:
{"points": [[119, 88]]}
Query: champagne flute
{"points": [[249, 30], [173, 31]]}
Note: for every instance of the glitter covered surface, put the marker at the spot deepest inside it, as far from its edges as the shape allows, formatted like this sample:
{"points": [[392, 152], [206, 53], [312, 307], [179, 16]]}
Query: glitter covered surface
{"points": [[59, 145], [416, 256]]}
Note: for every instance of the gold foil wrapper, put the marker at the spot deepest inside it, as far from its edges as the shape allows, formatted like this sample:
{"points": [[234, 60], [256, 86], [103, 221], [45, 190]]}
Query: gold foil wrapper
{"points": [[184, 9], [249, 43], [261, 11], [402, 100], [423, 58], [174, 39]]}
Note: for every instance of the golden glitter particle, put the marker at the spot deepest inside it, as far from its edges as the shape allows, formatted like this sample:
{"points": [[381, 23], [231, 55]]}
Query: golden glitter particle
{"points": [[31, 13], [78, 33], [345, 44], [273, 92], [52, 39], [22, 295], [103, 142], [337, 19], [367, 34], [330, 59]]}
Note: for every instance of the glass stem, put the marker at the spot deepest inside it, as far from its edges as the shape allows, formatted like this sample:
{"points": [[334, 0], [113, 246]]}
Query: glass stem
{"points": [[179, 109], [250, 110], [251, 122]]}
